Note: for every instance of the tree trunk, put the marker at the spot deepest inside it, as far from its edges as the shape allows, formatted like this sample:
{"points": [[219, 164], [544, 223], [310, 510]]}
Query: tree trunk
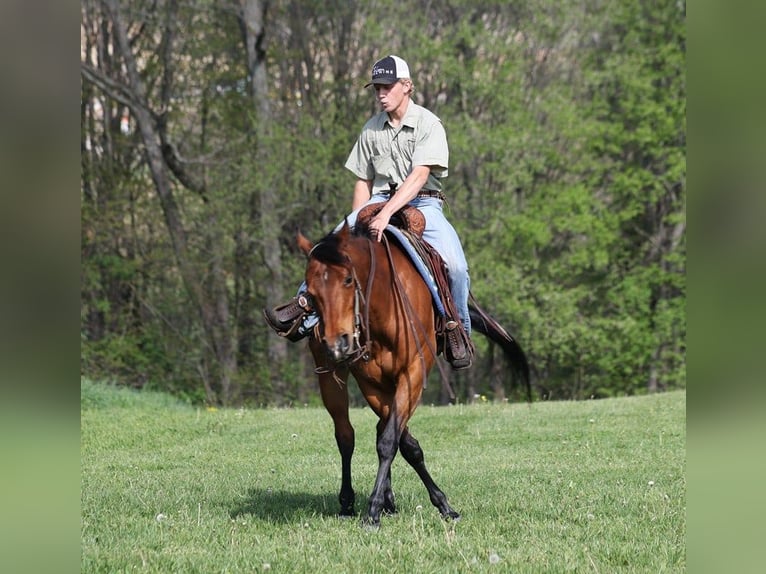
{"points": [[253, 17], [212, 307], [665, 241]]}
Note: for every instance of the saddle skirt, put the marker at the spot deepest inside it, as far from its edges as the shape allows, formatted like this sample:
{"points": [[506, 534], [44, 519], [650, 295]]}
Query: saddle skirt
{"points": [[408, 242]]}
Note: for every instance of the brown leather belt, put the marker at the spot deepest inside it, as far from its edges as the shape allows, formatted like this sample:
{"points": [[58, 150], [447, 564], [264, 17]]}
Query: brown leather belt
{"points": [[432, 193], [421, 193]]}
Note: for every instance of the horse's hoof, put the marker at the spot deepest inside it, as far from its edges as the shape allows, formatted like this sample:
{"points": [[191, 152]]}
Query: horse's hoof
{"points": [[370, 525], [343, 516], [451, 515]]}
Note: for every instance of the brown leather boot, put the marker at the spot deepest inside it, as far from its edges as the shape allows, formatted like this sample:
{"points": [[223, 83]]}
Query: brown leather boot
{"points": [[459, 354], [287, 319]]}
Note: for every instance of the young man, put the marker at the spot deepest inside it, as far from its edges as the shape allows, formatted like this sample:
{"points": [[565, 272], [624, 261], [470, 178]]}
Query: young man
{"points": [[404, 148]]}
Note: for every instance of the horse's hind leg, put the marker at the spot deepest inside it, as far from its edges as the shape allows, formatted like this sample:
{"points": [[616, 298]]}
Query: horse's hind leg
{"points": [[335, 398], [413, 454]]}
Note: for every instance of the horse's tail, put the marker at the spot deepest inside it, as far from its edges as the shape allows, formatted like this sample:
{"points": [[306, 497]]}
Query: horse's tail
{"points": [[514, 354]]}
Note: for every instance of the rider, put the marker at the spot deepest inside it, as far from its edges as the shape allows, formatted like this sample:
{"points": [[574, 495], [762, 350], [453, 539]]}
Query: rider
{"points": [[400, 157]]}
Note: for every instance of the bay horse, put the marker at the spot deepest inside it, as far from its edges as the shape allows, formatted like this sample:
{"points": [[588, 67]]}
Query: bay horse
{"points": [[377, 322]]}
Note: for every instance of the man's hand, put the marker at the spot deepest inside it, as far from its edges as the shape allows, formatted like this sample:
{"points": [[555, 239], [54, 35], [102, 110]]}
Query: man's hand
{"points": [[378, 225]]}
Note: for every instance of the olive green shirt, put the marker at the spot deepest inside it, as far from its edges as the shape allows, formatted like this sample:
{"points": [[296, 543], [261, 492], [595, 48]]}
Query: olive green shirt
{"points": [[386, 154]]}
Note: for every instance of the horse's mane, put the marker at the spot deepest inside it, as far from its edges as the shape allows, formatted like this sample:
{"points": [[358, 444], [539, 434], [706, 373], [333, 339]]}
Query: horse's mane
{"points": [[362, 228], [327, 250]]}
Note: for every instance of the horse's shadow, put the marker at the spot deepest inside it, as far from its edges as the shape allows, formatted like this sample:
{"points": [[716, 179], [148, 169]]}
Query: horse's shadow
{"points": [[283, 506]]}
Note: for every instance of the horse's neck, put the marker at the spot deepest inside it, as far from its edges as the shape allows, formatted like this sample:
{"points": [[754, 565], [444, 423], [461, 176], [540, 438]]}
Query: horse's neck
{"points": [[392, 269], [369, 258]]}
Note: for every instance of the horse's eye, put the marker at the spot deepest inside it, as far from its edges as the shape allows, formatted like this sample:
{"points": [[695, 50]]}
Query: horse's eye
{"points": [[348, 281]]}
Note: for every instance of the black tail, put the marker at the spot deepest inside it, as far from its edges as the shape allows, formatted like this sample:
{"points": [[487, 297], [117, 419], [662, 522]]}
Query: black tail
{"points": [[513, 352]]}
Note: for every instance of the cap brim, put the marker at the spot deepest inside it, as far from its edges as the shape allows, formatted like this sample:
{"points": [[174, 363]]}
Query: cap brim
{"points": [[387, 81]]}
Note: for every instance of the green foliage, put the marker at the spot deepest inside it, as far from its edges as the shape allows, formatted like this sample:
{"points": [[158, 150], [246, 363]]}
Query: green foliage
{"points": [[567, 185], [561, 486]]}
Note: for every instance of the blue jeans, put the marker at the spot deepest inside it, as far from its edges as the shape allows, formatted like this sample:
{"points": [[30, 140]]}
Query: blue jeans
{"points": [[443, 237]]}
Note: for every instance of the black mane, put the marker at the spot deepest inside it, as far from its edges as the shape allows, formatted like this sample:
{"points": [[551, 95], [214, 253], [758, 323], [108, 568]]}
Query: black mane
{"points": [[327, 250], [362, 228]]}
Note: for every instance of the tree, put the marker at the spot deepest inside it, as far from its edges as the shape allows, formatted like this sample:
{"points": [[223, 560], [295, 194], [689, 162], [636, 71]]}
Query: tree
{"points": [[213, 131], [209, 298]]}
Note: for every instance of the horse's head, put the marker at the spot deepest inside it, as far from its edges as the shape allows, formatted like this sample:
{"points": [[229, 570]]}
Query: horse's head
{"points": [[331, 280]]}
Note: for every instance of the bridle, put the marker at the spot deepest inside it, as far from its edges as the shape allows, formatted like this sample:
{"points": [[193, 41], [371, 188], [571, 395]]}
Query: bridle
{"points": [[359, 349], [361, 336]]}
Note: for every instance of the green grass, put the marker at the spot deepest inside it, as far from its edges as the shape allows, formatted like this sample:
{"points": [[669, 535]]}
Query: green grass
{"points": [[594, 486]]}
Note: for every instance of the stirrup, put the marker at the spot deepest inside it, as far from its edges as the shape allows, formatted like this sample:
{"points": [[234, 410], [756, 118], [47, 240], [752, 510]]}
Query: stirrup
{"points": [[458, 353], [287, 319]]}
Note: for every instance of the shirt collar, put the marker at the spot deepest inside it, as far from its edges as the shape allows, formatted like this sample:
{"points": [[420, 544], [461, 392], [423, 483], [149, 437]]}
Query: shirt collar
{"points": [[410, 118]]}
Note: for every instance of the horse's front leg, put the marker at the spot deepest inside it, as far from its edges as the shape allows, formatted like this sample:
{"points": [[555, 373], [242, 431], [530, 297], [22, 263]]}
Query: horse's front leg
{"points": [[395, 412], [335, 398], [389, 503], [387, 445]]}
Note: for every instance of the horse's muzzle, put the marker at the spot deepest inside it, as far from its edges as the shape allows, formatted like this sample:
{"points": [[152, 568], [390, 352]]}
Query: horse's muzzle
{"points": [[341, 349]]}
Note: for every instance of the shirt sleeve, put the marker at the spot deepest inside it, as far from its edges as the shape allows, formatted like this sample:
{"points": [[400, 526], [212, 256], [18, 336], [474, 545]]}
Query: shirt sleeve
{"points": [[431, 148], [358, 161]]}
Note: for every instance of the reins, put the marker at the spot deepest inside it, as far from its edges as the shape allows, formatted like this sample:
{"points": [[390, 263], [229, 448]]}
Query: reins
{"points": [[410, 313]]}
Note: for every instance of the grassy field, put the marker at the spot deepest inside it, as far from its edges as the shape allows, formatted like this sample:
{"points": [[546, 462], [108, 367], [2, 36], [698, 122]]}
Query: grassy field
{"points": [[594, 486]]}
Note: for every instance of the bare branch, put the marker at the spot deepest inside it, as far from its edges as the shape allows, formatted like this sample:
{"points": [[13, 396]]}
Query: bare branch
{"points": [[113, 88], [176, 164]]}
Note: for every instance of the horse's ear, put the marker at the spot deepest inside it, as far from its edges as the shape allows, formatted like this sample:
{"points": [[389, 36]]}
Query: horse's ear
{"points": [[304, 244]]}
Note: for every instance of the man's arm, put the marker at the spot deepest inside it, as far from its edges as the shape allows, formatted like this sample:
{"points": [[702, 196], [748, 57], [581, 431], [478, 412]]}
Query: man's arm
{"points": [[404, 194], [362, 193]]}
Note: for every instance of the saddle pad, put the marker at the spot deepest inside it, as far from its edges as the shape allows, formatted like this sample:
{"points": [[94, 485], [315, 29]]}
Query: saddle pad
{"points": [[422, 268]]}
